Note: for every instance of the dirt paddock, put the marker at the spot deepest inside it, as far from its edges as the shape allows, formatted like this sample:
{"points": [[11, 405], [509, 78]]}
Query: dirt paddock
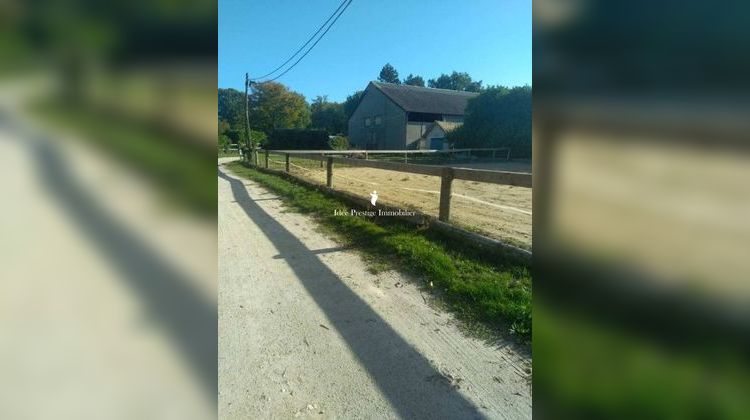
{"points": [[498, 211]]}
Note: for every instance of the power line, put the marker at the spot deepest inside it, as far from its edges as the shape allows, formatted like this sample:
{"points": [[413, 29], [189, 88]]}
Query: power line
{"points": [[313, 45], [303, 45]]}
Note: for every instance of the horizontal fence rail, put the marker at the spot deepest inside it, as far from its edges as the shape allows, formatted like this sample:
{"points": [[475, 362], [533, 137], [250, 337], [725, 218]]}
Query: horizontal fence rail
{"points": [[386, 152], [446, 173], [404, 153]]}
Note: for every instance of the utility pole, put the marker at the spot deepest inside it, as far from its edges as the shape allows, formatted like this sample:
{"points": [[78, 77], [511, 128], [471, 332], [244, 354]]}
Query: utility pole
{"points": [[248, 145]]}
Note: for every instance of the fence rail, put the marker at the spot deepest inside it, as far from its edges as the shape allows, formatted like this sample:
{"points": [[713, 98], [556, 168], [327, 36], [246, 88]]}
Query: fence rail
{"points": [[446, 173], [405, 153], [393, 152]]}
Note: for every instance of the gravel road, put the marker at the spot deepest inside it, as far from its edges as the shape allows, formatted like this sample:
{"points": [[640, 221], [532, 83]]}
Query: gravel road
{"points": [[306, 331]]}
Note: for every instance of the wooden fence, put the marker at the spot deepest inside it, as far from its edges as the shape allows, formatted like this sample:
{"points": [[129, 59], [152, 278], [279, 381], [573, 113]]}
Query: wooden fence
{"points": [[405, 153], [446, 174]]}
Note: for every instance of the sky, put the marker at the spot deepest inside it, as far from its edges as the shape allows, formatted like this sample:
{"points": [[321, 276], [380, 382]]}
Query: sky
{"points": [[489, 39]]}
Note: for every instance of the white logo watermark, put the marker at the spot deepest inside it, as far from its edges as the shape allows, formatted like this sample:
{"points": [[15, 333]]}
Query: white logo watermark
{"points": [[373, 213]]}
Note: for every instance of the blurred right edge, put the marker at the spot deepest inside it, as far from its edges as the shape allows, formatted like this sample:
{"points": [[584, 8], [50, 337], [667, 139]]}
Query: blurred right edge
{"points": [[641, 218]]}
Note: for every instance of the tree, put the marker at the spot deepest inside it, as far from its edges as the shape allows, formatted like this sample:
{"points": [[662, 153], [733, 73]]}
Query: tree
{"points": [[328, 116], [223, 127], [414, 80], [232, 107], [498, 117], [456, 81], [388, 74], [274, 106]]}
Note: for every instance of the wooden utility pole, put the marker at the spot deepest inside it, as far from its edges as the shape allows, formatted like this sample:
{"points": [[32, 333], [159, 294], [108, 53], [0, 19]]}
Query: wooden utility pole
{"points": [[248, 145]]}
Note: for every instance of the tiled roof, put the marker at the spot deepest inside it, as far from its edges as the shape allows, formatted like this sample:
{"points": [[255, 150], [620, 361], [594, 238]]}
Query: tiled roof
{"points": [[427, 100]]}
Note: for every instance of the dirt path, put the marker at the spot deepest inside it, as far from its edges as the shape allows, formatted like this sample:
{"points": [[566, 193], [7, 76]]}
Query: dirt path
{"points": [[85, 329], [306, 330]]}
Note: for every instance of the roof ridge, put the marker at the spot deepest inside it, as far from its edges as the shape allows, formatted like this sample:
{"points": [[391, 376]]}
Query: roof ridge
{"points": [[403, 85]]}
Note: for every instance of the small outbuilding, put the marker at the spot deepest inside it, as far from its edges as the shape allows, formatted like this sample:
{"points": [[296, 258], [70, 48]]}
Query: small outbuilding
{"points": [[435, 136]]}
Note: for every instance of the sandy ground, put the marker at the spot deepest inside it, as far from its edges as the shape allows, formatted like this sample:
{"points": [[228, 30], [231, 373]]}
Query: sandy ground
{"points": [[306, 331], [498, 211]]}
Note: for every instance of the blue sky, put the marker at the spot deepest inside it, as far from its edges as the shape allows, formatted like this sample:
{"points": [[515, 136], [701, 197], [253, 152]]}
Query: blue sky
{"points": [[489, 39]]}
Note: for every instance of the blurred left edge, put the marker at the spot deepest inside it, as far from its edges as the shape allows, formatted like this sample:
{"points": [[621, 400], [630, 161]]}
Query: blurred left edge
{"points": [[108, 224]]}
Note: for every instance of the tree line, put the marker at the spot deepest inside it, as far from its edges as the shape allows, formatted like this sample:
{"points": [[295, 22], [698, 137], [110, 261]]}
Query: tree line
{"points": [[454, 81], [498, 117]]}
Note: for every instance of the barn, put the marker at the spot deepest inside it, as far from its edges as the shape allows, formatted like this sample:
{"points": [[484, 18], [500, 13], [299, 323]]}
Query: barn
{"points": [[397, 117]]}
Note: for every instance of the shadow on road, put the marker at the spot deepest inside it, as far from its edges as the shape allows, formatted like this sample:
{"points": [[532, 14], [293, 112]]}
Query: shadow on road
{"points": [[170, 302], [414, 387]]}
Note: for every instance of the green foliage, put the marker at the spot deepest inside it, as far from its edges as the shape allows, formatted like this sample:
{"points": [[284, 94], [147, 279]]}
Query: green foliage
{"points": [[232, 108], [258, 138], [456, 81], [224, 143], [636, 376], [236, 136], [224, 126], [297, 139], [498, 117], [339, 143], [388, 74], [274, 106], [414, 80], [492, 291], [329, 116], [183, 174]]}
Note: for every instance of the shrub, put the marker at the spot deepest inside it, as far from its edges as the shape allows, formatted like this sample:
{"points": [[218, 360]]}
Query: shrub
{"points": [[339, 143], [498, 117], [298, 139]]}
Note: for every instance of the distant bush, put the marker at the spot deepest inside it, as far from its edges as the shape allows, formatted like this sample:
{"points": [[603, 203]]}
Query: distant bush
{"points": [[339, 143], [258, 138], [224, 143], [298, 139], [498, 117]]}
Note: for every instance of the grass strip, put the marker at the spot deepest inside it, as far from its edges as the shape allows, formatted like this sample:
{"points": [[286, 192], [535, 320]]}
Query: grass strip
{"points": [[183, 174], [635, 376], [493, 292]]}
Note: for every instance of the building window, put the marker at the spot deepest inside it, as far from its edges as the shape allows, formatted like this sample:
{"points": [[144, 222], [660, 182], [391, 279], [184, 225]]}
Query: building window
{"points": [[368, 122], [378, 120]]}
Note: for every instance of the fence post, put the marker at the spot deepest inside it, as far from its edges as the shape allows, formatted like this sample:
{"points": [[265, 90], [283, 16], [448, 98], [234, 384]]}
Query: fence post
{"points": [[256, 157], [321, 160], [286, 158], [329, 172], [366, 155], [446, 184], [266, 156]]}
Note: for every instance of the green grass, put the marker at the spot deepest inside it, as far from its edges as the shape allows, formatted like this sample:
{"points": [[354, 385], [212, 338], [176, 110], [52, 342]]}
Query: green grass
{"points": [[480, 288], [184, 174], [587, 368]]}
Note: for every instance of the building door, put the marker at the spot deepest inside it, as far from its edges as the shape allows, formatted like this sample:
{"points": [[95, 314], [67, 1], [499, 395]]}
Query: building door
{"points": [[436, 143]]}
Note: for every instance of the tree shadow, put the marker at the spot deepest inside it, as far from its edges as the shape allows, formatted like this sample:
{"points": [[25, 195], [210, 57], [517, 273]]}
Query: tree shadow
{"points": [[188, 318], [413, 386]]}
